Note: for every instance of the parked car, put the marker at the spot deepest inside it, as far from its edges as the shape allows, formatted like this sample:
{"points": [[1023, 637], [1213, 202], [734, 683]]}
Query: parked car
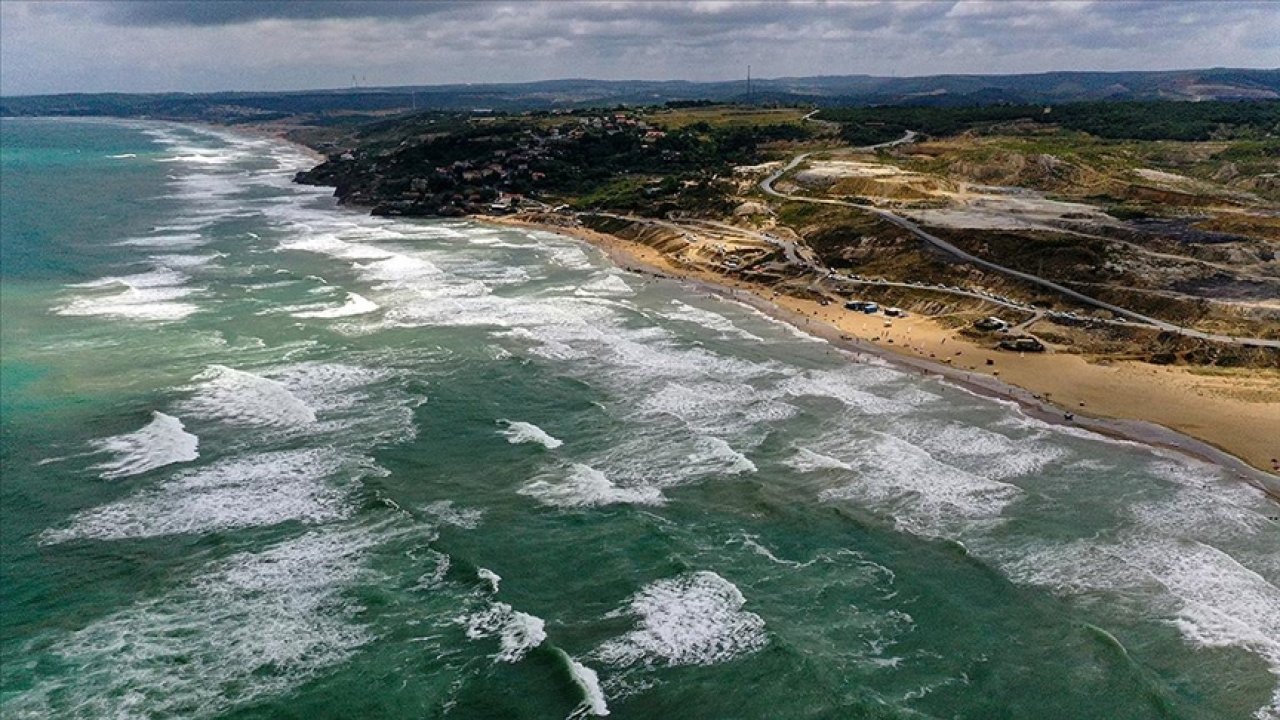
{"points": [[1022, 344]]}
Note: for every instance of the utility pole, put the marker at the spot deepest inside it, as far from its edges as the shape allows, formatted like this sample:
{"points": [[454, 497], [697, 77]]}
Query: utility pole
{"points": [[748, 84]]}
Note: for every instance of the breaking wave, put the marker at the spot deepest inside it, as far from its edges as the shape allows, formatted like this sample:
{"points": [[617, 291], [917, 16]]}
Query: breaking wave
{"points": [[163, 441]]}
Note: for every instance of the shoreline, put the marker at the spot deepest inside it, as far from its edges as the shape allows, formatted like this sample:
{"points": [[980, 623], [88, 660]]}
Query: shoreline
{"points": [[1031, 397], [637, 257]]}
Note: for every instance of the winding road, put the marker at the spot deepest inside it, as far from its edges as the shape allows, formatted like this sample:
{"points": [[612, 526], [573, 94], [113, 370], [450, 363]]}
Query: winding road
{"points": [[766, 185]]}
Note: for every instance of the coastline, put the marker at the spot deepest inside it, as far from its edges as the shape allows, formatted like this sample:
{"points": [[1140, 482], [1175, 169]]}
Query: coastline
{"points": [[736, 497], [1233, 438], [1056, 388]]}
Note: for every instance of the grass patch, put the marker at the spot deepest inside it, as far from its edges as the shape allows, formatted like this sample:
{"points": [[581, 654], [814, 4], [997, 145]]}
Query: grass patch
{"points": [[725, 116]]}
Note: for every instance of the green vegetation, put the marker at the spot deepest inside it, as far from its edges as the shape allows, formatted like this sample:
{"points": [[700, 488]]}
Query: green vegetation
{"points": [[798, 214], [1252, 150], [675, 117], [1061, 257], [441, 163], [1158, 120]]}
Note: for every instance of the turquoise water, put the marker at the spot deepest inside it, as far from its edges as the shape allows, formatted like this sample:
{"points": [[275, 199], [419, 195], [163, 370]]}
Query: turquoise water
{"points": [[264, 457]]}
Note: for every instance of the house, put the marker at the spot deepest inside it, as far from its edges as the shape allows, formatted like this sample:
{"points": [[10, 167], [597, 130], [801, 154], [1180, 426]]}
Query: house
{"points": [[506, 202]]}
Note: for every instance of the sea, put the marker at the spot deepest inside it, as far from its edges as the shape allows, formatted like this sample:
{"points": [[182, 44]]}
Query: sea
{"points": [[268, 457]]}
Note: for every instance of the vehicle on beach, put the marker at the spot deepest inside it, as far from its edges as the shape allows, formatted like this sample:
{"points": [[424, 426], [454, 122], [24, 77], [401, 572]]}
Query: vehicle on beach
{"points": [[1022, 344]]}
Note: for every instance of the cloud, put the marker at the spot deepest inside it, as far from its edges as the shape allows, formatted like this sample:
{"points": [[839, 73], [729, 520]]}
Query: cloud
{"points": [[235, 12], [275, 45]]}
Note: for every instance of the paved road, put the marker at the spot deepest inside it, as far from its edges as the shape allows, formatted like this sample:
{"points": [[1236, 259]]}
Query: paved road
{"points": [[909, 137], [767, 186]]}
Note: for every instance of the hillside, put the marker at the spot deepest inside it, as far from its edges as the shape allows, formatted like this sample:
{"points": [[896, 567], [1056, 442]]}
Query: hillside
{"points": [[1150, 227], [827, 91]]}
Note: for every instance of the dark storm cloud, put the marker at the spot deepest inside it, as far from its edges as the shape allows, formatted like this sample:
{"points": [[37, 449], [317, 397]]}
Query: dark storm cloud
{"points": [[174, 45]]}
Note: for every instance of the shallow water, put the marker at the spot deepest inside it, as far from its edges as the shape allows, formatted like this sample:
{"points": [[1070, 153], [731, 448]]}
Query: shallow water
{"points": [[266, 457]]}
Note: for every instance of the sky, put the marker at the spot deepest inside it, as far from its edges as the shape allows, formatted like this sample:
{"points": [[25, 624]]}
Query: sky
{"points": [[172, 45]]}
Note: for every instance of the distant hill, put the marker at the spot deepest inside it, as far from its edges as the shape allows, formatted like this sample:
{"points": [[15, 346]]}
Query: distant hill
{"points": [[826, 91]]}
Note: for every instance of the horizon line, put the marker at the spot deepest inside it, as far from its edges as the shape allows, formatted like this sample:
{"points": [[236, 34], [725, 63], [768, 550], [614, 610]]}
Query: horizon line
{"points": [[754, 79]]}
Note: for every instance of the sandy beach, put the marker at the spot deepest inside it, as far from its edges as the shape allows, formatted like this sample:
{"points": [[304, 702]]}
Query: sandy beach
{"points": [[1229, 419]]}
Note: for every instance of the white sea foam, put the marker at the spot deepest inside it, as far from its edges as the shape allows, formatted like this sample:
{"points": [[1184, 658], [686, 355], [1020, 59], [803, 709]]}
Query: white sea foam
{"points": [[806, 460], [651, 354], [718, 454], [663, 454], [446, 513], [568, 256], [787, 327], [186, 262], [593, 699], [150, 296], [470, 303], [1212, 598], [257, 625], [709, 320], [715, 407], [242, 398], [1205, 506], [851, 386], [982, 451], [167, 241], [1225, 604], [692, 619], [494, 241], [879, 573], [399, 270], [329, 386], [492, 578], [517, 632], [256, 490], [608, 285], [491, 273], [355, 305], [523, 432], [922, 494], [200, 156], [584, 486], [330, 244], [163, 441], [546, 347]]}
